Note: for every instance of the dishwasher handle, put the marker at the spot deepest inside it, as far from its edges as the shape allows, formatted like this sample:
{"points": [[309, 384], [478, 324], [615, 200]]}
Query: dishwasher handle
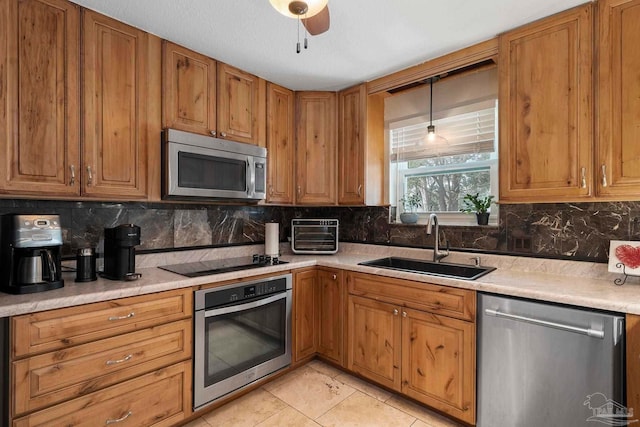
{"points": [[584, 331]]}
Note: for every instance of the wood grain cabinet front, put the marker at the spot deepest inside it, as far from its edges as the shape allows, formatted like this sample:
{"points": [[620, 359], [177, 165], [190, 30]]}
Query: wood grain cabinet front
{"points": [[280, 145], [106, 356], [305, 315], [40, 97], [546, 109], [331, 314], [157, 399], [427, 354]]}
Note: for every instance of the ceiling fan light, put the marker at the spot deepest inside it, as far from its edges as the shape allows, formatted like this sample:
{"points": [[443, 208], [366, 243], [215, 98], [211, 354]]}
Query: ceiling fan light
{"points": [[313, 7]]}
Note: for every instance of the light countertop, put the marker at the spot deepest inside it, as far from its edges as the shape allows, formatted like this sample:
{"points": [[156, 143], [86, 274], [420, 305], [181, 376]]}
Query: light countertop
{"points": [[568, 282]]}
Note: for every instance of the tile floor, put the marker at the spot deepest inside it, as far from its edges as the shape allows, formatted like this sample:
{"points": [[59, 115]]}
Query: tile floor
{"points": [[317, 394]]}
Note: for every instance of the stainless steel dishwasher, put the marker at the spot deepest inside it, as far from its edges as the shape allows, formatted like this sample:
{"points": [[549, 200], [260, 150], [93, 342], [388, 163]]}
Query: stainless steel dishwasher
{"points": [[542, 364]]}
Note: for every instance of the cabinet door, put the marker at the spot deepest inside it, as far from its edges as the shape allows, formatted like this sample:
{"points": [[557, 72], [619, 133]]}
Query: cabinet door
{"points": [[316, 148], [331, 314], [280, 140], [239, 116], [39, 97], [305, 315], [618, 174], [438, 362], [374, 341], [352, 118], [115, 99], [189, 90], [546, 109]]}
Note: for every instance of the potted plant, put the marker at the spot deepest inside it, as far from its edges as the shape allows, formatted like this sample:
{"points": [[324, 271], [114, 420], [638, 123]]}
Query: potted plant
{"points": [[410, 202], [474, 203]]}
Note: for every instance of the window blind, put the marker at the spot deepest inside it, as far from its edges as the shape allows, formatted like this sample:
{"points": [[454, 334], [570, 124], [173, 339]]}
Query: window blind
{"points": [[467, 133]]}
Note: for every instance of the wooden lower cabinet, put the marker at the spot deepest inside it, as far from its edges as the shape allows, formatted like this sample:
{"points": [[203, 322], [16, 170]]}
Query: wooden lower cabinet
{"points": [[438, 362], [156, 399], [375, 341], [423, 354], [122, 360], [305, 315], [331, 314]]}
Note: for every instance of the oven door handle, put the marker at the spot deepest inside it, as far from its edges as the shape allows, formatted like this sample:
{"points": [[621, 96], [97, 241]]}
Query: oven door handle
{"points": [[245, 306]]}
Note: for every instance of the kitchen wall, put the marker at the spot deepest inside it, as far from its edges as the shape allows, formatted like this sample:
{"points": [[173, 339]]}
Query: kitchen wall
{"points": [[578, 231]]}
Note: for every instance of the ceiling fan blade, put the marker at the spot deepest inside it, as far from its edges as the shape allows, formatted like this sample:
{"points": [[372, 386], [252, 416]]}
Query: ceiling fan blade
{"points": [[319, 23]]}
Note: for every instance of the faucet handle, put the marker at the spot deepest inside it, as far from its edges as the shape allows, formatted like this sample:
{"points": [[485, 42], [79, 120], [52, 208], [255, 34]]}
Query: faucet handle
{"points": [[446, 242]]}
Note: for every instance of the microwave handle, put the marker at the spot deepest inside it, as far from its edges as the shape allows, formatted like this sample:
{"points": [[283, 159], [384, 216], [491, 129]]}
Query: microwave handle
{"points": [[251, 176]]}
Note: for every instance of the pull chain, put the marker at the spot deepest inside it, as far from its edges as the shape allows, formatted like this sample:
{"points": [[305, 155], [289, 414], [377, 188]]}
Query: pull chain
{"points": [[298, 44], [306, 44]]}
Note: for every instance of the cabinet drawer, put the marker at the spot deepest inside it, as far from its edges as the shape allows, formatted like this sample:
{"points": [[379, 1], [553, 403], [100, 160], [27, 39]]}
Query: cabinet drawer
{"points": [[156, 399], [55, 329], [57, 376], [452, 302]]}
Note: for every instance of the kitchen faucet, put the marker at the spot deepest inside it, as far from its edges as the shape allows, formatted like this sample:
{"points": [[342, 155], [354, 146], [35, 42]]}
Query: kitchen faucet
{"points": [[437, 254]]}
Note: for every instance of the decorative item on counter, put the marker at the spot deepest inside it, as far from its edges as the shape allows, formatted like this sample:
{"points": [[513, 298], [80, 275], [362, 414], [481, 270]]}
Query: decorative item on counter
{"points": [[624, 257], [120, 252], [410, 202], [272, 239], [86, 265], [474, 203]]}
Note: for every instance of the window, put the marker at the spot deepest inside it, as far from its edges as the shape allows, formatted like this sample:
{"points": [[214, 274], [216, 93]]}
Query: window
{"points": [[462, 159]]}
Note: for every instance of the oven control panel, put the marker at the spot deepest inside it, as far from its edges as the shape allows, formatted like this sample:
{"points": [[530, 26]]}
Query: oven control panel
{"points": [[240, 292]]}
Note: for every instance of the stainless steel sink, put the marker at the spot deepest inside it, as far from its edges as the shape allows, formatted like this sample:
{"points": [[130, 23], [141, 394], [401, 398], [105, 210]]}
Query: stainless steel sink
{"points": [[444, 269]]}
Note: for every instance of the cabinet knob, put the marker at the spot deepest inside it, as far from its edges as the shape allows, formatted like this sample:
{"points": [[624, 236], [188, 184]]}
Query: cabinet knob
{"points": [[89, 176], [404, 314], [395, 312], [72, 181], [223, 135], [334, 277], [213, 133], [604, 176]]}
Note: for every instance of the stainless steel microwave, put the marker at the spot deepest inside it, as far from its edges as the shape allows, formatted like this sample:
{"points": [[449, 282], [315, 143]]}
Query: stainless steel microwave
{"points": [[314, 236], [198, 166]]}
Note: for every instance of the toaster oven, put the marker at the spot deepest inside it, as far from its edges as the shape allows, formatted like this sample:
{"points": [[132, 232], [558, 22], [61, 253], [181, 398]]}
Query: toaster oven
{"points": [[314, 236]]}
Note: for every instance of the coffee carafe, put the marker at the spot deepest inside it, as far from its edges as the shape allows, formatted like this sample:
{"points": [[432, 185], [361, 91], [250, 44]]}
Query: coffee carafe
{"points": [[120, 252], [30, 248]]}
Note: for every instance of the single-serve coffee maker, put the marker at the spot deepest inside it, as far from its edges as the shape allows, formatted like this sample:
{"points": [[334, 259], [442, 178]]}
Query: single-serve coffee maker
{"points": [[120, 252], [30, 247]]}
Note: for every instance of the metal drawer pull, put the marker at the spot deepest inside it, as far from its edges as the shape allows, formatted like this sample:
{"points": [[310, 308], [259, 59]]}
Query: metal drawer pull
{"points": [[90, 180], [124, 359], [128, 316], [119, 420], [604, 175], [583, 179], [584, 331], [73, 175]]}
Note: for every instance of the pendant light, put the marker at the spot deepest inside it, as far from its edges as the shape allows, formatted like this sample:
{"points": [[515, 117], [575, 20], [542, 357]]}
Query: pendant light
{"points": [[432, 137], [431, 129]]}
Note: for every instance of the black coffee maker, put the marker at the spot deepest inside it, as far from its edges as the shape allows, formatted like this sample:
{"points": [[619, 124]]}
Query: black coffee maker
{"points": [[30, 247], [120, 252]]}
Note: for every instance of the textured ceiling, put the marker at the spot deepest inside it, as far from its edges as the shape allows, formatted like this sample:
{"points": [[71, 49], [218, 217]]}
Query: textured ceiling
{"points": [[367, 38]]}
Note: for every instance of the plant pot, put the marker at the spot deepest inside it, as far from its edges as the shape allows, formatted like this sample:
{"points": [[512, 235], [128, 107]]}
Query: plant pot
{"points": [[409, 217], [483, 218]]}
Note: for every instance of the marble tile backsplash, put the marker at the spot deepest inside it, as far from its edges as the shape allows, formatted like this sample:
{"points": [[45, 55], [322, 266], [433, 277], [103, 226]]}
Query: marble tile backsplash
{"points": [[579, 231]]}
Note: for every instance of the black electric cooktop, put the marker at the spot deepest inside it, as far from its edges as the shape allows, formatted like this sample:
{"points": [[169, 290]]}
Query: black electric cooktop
{"points": [[205, 268]]}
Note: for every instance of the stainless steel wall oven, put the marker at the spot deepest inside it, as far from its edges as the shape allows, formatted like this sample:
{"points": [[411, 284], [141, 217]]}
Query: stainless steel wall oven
{"points": [[242, 333]]}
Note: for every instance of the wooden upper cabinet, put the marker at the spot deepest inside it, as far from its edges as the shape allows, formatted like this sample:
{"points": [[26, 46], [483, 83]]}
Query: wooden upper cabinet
{"points": [[240, 110], [39, 97], [189, 90], [280, 144], [114, 108], [618, 161], [546, 109], [316, 148], [360, 147]]}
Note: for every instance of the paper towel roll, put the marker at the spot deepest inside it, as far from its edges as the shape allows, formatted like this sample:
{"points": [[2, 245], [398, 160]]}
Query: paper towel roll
{"points": [[272, 239]]}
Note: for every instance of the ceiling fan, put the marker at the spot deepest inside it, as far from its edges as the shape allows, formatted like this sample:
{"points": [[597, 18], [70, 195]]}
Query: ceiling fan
{"points": [[314, 15]]}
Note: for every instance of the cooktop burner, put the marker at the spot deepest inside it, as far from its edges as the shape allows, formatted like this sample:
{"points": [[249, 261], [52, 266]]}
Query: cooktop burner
{"points": [[205, 268]]}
